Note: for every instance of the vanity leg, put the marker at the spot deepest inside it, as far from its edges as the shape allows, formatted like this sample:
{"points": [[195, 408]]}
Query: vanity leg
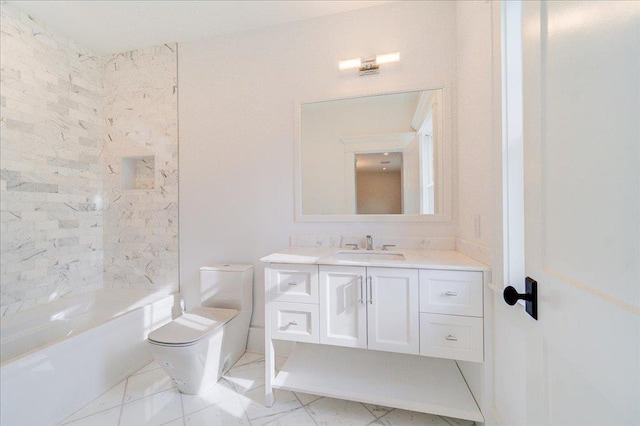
{"points": [[269, 373]]}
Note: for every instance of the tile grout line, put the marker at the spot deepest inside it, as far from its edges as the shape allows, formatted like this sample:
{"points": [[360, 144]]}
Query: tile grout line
{"points": [[374, 414], [305, 407], [184, 417], [385, 414], [124, 394], [65, 421]]}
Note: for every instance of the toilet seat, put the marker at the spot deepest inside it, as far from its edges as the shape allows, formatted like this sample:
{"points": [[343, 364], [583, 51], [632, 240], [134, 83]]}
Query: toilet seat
{"points": [[191, 327]]}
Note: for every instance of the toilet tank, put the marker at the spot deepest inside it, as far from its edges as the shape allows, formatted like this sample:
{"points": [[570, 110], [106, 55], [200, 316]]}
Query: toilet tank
{"points": [[227, 286]]}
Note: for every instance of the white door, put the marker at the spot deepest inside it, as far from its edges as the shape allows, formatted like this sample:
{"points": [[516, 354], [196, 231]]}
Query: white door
{"points": [[343, 312], [580, 362], [393, 317]]}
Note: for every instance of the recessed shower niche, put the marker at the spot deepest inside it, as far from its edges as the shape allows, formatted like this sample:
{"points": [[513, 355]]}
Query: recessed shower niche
{"points": [[138, 173]]}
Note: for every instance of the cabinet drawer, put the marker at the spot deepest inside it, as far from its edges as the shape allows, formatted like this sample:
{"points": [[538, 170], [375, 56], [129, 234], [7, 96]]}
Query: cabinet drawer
{"points": [[294, 283], [451, 292], [451, 336], [294, 321]]}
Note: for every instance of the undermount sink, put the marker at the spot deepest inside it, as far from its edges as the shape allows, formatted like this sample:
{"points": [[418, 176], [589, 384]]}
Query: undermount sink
{"points": [[370, 256]]}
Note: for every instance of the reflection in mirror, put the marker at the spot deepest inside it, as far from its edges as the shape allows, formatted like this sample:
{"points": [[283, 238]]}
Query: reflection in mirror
{"points": [[372, 155], [379, 183]]}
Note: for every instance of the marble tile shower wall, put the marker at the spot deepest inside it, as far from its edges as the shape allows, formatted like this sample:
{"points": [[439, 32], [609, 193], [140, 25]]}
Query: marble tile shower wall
{"points": [[141, 216], [50, 165]]}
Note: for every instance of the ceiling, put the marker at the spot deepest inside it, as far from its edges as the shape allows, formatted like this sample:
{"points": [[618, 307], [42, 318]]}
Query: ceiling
{"points": [[379, 162], [118, 26]]}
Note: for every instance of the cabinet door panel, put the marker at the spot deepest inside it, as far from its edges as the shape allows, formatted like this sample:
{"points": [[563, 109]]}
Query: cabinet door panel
{"points": [[343, 320], [393, 318]]}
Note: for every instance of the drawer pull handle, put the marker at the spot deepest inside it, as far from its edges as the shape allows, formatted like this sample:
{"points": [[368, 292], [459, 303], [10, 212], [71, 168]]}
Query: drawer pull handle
{"points": [[293, 283], [296, 323], [452, 338], [451, 293], [361, 293], [370, 290]]}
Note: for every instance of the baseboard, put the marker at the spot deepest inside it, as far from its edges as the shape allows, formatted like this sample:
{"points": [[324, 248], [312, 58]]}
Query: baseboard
{"points": [[255, 343]]}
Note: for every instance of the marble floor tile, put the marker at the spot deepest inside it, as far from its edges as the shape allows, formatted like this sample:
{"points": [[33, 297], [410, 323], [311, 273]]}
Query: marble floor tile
{"points": [[297, 417], [226, 413], [111, 398], [108, 417], [149, 397], [151, 366], [307, 398], [334, 412], [147, 383], [222, 391], [155, 409], [253, 402], [176, 422], [399, 417], [378, 410], [246, 377], [248, 358]]}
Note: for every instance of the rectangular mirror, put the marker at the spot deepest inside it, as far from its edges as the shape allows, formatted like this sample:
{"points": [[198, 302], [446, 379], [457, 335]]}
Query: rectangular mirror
{"points": [[383, 158]]}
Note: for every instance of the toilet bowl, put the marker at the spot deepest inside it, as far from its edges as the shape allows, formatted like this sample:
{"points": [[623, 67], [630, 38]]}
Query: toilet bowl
{"points": [[197, 348]]}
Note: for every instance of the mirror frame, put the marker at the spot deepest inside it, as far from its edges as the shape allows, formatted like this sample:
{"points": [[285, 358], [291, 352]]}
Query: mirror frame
{"points": [[445, 174]]}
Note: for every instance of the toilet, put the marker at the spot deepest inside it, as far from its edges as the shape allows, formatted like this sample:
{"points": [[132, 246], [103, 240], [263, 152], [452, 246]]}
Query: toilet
{"points": [[197, 348]]}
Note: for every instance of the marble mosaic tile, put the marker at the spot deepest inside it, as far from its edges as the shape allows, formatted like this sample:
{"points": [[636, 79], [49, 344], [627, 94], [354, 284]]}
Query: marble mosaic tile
{"points": [[51, 100], [141, 219]]}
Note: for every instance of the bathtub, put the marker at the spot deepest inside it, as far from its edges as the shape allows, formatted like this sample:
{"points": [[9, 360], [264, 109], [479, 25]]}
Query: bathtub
{"points": [[56, 358]]}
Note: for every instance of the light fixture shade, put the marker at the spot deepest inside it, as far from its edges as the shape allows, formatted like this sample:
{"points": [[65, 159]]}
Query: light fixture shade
{"points": [[388, 58], [369, 65], [349, 64]]}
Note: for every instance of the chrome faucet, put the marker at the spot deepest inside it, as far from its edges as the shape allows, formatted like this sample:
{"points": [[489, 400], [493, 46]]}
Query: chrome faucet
{"points": [[369, 242]]}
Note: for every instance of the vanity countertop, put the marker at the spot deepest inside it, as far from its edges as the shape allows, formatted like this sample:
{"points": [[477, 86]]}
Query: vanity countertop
{"points": [[434, 259]]}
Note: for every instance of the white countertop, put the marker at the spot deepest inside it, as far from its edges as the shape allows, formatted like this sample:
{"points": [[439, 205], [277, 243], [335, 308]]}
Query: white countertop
{"points": [[433, 259]]}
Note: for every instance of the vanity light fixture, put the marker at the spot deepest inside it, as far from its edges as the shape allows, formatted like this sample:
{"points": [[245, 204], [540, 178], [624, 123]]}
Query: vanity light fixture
{"points": [[370, 65]]}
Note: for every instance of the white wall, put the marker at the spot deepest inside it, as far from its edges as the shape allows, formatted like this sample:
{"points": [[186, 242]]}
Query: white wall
{"points": [[236, 121], [474, 127]]}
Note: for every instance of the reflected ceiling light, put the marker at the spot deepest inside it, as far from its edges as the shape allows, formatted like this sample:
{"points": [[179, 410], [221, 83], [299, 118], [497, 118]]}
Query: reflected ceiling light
{"points": [[370, 65]]}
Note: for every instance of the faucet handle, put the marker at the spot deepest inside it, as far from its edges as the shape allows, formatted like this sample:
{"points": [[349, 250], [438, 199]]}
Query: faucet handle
{"points": [[355, 246], [386, 246]]}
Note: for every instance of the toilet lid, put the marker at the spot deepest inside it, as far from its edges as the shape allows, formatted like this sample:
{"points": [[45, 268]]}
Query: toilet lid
{"points": [[193, 326]]}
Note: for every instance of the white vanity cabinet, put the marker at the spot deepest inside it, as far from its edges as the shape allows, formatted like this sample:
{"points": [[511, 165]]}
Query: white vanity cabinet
{"points": [[376, 328], [293, 291], [366, 307], [451, 315]]}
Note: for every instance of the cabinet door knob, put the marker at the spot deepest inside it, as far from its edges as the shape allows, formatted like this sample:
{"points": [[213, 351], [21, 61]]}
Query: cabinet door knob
{"points": [[451, 338], [451, 293]]}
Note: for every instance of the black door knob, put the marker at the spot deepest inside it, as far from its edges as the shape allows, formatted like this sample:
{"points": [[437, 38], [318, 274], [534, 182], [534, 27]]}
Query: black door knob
{"points": [[530, 296], [511, 295]]}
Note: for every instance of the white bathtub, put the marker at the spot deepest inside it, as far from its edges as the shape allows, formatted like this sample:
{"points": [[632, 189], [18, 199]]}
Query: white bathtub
{"points": [[56, 358]]}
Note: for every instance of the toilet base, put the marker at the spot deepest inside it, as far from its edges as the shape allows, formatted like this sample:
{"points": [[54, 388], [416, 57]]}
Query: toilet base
{"points": [[197, 368]]}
